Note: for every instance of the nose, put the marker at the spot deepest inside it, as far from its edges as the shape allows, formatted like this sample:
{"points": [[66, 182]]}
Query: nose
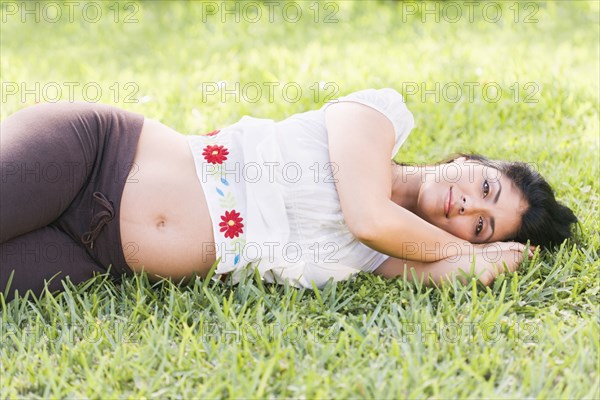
{"points": [[469, 205]]}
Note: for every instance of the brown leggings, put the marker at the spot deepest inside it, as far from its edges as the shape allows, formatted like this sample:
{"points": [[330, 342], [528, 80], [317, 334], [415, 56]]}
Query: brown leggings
{"points": [[63, 167]]}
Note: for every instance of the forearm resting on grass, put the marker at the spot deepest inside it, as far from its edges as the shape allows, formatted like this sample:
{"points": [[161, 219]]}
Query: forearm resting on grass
{"points": [[490, 261]]}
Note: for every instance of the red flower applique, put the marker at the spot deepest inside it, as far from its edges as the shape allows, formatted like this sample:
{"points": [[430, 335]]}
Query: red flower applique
{"points": [[213, 133], [215, 154], [232, 224]]}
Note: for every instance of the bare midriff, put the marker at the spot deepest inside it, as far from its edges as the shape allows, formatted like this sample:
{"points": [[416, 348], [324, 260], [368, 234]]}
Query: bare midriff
{"points": [[166, 228]]}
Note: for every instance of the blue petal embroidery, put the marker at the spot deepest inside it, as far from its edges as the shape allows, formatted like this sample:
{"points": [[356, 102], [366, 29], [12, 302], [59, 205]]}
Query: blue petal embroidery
{"points": [[220, 192], [224, 182], [236, 259]]}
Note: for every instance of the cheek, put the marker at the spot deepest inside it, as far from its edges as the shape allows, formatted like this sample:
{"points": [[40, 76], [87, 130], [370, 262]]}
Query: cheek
{"points": [[460, 227]]}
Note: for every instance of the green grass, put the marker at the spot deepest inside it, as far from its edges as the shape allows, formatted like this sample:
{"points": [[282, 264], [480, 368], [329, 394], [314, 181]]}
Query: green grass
{"points": [[533, 334]]}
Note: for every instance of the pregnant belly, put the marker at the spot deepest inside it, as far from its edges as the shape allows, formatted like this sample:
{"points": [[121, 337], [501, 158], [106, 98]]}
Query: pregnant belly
{"points": [[166, 228]]}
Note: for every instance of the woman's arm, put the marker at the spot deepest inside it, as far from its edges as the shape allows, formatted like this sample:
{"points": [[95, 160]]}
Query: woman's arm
{"points": [[360, 141], [489, 263]]}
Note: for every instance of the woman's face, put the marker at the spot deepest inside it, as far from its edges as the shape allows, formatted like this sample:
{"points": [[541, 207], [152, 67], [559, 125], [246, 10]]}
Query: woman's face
{"points": [[471, 201]]}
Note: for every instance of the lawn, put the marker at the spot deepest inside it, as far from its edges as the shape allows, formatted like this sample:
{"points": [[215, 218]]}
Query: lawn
{"points": [[512, 80]]}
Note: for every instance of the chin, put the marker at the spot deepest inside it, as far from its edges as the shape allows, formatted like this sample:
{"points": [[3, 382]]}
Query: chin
{"points": [[427, 212]]}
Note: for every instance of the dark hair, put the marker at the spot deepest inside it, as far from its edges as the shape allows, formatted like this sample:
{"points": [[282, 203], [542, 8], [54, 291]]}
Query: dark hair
{"points": [[546, 222]]}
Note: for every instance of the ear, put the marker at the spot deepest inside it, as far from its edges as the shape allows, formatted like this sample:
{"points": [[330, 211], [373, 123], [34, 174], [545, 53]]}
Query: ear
{"points": [[460, 160]]}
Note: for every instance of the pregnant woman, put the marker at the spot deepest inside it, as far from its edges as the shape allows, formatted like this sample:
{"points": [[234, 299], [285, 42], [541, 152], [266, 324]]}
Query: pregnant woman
{"points": [[89, 188]]}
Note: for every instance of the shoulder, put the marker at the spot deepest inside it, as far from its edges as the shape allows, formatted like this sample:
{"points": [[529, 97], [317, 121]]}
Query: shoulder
{"points": [[385, 103], [384, 100]]}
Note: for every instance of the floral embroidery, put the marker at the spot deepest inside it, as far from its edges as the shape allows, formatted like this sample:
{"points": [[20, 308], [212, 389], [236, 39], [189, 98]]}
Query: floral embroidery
{"points": [[227, 201], [226, 198], [232, 224], [215, 154]]}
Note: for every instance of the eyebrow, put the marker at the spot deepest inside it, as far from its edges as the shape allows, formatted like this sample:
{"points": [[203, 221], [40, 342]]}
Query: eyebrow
{"points": [[492, 220]]}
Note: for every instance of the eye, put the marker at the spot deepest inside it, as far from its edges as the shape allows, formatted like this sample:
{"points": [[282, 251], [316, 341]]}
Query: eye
{"points": [[486, 188], [479, 226]]}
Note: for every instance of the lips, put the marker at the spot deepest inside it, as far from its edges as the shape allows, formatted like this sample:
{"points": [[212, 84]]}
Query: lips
{"points": [[448, 202]]}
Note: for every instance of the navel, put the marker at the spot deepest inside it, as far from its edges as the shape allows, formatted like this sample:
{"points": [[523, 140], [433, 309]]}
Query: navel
{"points": [[161, 222]]}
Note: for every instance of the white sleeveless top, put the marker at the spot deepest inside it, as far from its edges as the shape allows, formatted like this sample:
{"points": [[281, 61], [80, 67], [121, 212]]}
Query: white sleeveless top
{"points": [[271, 195]]}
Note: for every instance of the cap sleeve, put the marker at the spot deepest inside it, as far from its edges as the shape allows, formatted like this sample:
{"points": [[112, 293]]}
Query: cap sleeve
{"points": [[391, 104]]}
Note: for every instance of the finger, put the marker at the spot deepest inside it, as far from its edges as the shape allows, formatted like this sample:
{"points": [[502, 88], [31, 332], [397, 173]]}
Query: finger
{"points": [[520, 247]]}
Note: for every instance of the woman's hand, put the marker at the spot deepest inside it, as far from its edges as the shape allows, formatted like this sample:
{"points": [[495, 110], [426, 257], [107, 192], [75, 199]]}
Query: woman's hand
{"points": [[490, 258], [489, 263]]}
